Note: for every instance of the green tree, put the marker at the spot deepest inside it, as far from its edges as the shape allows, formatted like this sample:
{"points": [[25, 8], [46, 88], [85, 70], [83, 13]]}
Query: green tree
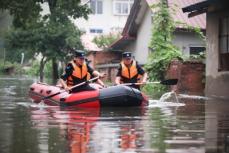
{"points": [[163, 50], [52, 35], [103, 41]]}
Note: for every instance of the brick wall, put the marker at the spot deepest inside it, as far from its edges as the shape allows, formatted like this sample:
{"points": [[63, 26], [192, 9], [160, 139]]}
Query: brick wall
{"points": [[105, 58], [191, 75]]}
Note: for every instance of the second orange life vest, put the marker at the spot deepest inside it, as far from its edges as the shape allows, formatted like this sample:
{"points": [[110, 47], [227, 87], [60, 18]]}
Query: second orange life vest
{"points": [[129, 72]]}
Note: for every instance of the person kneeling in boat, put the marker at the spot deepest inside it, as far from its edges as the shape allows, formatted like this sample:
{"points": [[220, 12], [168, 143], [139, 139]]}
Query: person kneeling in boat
{"points": [[78, 71], [130, 72]]}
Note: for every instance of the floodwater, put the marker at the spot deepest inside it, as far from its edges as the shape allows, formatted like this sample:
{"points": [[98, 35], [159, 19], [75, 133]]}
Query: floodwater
{"points": [[182, 124]]}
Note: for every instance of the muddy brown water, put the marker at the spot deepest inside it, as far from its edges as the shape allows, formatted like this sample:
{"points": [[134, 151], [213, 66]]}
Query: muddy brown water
{"points": [[198, 125]]}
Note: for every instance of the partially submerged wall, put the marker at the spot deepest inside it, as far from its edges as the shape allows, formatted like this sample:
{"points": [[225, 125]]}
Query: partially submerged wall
{"points": [[190, 76]]}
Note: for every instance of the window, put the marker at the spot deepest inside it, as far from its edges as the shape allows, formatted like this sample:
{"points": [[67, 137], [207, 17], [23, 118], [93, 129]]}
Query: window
{"points": [[224, 44], [96, 6], [96, 31], [122, 7], [196, 50]]}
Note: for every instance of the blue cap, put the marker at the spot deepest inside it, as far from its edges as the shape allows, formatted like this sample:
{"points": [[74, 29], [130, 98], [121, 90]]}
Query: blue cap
{"points": [[79, 53], [127, 55]]}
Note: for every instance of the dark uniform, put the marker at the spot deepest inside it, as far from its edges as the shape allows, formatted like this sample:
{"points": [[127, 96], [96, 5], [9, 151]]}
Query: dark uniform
{"points": [[75, 74], [130, 74]]}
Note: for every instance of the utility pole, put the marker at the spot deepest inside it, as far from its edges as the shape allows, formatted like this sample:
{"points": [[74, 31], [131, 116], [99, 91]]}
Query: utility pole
{"points": [[22, 58]]}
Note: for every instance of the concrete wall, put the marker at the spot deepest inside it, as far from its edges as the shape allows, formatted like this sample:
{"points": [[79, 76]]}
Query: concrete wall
{"points": [[106, 21], [217, 82], [185, 40]]}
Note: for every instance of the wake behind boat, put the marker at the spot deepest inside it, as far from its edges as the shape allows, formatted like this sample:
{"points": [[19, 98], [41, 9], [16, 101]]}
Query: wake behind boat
{"points": [[114, 96]]}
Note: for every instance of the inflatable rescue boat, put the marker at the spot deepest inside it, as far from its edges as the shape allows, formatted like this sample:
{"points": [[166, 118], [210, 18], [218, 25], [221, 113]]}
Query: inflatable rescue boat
{"points": [[114, 96]]}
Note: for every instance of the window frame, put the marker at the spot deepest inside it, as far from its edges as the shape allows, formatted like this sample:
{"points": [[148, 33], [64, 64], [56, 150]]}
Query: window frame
{"points": [[96, 11], [96, 30], [196, 46], [129, 5]]}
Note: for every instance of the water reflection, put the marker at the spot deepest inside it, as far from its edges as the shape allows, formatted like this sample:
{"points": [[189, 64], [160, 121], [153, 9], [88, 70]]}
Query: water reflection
{"points": [[194, 124], [178, 129], [217, 126], [91, 130], [117, 130]]}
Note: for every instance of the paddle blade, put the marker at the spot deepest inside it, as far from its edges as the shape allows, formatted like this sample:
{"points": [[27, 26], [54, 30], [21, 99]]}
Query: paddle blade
{"points": [[169, 82]]}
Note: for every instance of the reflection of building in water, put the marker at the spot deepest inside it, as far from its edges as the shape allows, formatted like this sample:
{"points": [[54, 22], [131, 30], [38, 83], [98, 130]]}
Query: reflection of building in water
{"points": [[217, 126]]}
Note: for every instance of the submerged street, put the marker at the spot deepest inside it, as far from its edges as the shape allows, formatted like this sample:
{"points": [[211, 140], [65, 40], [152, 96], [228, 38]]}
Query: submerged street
{"points": [[193, 124]]}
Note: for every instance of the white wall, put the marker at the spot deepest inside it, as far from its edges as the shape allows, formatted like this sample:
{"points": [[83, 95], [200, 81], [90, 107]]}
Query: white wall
{"points": [[143, 38], [105, 21], [140, 46], [185, 40]]}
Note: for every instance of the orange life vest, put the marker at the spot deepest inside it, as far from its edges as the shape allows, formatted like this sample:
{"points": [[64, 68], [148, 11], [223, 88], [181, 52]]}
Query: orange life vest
{"points": [[77, 72], [129, 72]]}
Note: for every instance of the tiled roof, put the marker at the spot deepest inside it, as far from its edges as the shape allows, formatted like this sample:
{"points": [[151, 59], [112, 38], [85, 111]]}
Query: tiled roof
{"points": [[197, 21]]}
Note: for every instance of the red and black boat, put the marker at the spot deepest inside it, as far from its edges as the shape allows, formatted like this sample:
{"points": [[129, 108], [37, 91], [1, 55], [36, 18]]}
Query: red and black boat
{"points": [[114, 96]]}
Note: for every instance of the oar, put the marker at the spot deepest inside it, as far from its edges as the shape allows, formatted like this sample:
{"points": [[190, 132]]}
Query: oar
{"points": [[73, 87], [164, 82]]}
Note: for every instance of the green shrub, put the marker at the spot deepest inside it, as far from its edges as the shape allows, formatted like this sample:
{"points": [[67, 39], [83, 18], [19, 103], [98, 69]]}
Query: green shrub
{"points": [[34, 69], [163, 50], [16, 66]]}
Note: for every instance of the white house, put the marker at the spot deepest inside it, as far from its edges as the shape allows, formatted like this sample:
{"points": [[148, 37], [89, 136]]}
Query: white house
{"points": [[137, 33], [107, 16]]}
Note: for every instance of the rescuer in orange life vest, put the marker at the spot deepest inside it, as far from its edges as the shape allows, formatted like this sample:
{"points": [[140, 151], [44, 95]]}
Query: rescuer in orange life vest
{"points": [[78, 71], [130, 72]]}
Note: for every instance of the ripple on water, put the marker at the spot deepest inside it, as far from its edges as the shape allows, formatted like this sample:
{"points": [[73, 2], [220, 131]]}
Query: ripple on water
{"points": [[158, 103]]}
